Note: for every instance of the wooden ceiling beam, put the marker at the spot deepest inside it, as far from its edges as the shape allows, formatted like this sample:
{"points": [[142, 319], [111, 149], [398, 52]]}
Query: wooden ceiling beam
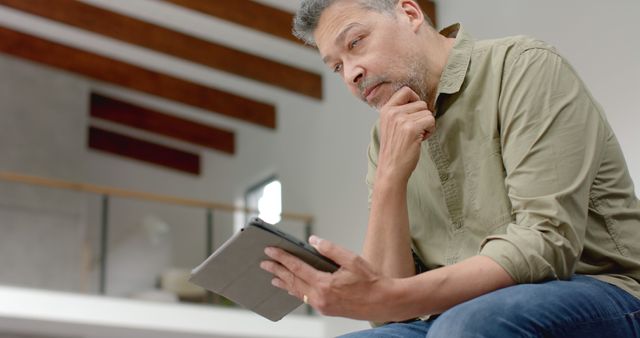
{"points": [[247, 13], [261, 17], [164, 40], [133, 77]]}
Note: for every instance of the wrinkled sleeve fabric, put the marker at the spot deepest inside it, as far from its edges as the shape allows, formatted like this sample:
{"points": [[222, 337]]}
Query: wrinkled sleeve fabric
{"points": [[552, 136]]}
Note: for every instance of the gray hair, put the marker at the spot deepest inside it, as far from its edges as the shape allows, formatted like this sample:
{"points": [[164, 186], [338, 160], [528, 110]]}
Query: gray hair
{"points": [[307, 17]]}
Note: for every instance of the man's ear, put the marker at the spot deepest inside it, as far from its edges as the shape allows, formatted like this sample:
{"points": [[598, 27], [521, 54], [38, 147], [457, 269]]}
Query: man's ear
{"points": [[412, 11]]}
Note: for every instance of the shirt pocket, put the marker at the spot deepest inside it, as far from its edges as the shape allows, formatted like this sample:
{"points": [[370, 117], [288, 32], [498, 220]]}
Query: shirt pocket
{"points": [[487, 205]]}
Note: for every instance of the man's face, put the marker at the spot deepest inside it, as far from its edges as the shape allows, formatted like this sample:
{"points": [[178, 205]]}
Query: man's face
{"points": [[373, 52]]}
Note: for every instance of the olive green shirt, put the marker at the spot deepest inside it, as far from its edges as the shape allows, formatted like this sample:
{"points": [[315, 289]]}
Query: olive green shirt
{"points": [[522, 168]]}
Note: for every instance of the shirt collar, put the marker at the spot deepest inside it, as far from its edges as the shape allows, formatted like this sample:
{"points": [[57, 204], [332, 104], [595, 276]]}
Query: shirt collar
{"points": [[455, 70]]}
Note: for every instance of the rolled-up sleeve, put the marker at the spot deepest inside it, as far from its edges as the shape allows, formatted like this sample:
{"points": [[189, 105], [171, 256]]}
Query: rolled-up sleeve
{"points": [[552, 135]]}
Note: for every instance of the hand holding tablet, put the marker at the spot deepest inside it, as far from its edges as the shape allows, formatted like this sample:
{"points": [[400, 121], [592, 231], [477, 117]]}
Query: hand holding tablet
{"points": [[234, 272]]}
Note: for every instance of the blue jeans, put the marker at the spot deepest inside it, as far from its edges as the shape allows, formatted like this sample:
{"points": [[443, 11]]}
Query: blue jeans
{"points": [[580, 308]]}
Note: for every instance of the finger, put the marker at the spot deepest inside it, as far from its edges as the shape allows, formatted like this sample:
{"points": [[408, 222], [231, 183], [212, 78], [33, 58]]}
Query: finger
{"points": [[295, 265], [426, 123], [285, 279], [421, 116], [402, 96], [414, 107], [336, 253]]}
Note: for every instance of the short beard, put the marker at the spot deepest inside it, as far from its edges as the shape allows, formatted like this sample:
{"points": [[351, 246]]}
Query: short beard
{"points": [[415, 80]]}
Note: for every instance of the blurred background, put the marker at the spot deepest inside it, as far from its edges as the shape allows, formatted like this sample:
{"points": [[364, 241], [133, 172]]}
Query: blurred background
{"points": [[136, 136]]}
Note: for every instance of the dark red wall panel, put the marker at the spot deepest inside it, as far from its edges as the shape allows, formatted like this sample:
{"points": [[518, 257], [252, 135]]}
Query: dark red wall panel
{"points": [[127, 146], [146, 119]]}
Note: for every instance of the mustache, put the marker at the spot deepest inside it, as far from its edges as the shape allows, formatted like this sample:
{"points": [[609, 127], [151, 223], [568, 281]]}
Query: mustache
{"points": [[370, 82], [367, 83]]}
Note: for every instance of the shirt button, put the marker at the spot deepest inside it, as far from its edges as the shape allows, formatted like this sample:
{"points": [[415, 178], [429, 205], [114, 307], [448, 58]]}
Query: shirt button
{"points": [[444, 177]]}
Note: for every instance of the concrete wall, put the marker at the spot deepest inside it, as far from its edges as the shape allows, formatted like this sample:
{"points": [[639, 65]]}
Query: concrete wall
{"points": [[38, 107]]}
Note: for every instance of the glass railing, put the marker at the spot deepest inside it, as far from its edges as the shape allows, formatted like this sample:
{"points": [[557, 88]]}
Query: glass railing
{"points": [[76, 237]]}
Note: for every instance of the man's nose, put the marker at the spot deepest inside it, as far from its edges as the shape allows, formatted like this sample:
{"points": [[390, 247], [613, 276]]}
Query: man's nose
{"points": [[353, 75]]}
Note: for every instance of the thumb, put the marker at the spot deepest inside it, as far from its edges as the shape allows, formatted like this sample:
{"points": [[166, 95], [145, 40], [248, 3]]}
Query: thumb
{"points": [[332, 251]]}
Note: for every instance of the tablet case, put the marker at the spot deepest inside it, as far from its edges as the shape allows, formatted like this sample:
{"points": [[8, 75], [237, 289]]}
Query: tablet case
{"points": [[234, 272]]}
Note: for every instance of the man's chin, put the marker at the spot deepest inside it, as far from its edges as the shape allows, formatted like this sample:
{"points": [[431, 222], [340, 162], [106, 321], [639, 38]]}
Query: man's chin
{"points": [[379, 100], [376, 104]]}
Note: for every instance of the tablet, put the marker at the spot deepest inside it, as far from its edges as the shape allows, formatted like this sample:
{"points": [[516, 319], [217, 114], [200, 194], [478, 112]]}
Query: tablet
{"points": [[233, 271]]}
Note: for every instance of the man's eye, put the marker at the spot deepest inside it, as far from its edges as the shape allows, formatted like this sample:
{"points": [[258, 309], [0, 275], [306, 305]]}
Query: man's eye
{"points": [[337, 68], [354, 43]]}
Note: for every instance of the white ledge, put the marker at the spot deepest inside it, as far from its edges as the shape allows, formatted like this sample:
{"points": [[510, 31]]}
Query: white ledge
{"points": [[61, 314]]}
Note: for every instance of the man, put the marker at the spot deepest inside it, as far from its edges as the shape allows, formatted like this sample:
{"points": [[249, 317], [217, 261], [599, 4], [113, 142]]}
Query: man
{"points": [[500, 203]]}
